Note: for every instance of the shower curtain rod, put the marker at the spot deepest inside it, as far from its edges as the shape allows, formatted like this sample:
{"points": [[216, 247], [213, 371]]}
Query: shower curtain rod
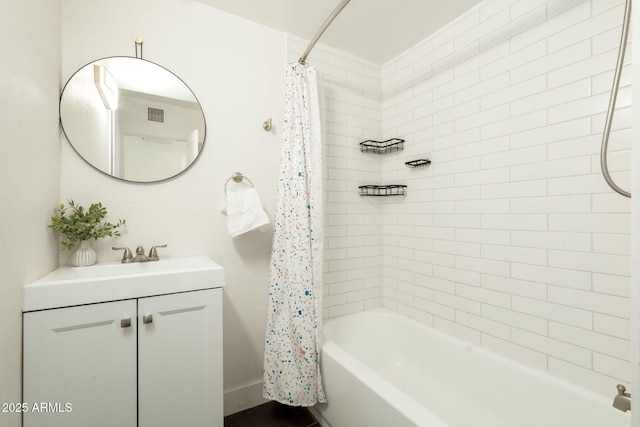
{"points": [[322, 29]]}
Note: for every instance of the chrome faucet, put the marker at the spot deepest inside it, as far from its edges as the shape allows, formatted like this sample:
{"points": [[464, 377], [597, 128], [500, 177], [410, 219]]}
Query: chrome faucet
{"points": [[140, 256], [623, 400], [128, 257]]}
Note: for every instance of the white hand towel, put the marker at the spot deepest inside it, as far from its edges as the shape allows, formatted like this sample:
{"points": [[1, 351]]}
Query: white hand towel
{"points": [[244, 212]]}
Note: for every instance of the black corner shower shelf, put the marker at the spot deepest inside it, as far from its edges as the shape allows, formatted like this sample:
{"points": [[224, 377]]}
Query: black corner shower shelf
{"points": [[382, 147], [383, 190], [420, 163]]}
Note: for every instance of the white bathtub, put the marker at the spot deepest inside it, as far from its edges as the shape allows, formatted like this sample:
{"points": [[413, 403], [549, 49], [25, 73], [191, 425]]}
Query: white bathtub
{"points": [[382, 369]]}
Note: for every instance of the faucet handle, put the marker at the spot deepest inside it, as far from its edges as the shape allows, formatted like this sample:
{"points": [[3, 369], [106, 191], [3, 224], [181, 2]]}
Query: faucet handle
{"points": [[126, 256], [153, 253]]}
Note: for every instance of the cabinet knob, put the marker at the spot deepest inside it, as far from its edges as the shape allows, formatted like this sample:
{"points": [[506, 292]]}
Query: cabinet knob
{"points": [[125, 323], [147, 318]]}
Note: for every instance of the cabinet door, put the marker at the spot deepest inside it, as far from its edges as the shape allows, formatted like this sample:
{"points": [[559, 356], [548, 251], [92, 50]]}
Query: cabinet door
{"points": [[80, 366], [180, 359]]}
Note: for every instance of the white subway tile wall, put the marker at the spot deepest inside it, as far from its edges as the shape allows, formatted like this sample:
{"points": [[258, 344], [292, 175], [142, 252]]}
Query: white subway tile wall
{"points": [[510, 239]]}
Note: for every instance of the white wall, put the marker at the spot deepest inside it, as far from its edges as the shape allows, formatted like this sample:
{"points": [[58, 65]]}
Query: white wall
{"points": [[29, 169], [510, 239], [236, 69]]}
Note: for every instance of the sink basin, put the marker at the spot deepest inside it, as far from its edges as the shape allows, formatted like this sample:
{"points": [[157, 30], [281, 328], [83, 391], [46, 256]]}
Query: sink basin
{"points": [[69, 286]]}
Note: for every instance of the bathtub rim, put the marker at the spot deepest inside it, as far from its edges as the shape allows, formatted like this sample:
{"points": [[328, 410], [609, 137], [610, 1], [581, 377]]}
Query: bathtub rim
{"points": [[590, 396], [390, 393]]}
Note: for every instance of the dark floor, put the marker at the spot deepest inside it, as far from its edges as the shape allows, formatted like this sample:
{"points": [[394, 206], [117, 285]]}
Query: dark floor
{"points": [[272, 414]]}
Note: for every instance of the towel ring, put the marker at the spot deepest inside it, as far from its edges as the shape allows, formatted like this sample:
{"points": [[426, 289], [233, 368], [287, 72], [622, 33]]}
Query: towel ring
{"points": [[236, 177]]}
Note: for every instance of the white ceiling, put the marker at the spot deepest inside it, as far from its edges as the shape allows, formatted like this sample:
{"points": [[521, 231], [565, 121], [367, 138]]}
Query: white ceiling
{"points": [[376, 30]]}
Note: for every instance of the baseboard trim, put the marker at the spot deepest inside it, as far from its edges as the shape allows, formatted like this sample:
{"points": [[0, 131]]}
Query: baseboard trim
{"points": [[242, 398], [318, 416]]}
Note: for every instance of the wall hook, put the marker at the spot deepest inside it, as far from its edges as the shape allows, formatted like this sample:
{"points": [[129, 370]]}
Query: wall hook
{"points": [[267, 125], [138, 43]]}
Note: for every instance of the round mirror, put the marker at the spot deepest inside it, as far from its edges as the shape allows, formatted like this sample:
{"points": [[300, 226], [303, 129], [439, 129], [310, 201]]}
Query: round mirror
{"points": [[132, 119]]}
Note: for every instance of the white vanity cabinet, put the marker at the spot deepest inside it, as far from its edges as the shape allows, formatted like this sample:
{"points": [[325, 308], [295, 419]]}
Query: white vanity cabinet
{"points": [[180, 360], [152, 360], [80, 356]]}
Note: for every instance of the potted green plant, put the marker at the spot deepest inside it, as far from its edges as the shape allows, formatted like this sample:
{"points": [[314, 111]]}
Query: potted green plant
{"points": [[78, 225]]}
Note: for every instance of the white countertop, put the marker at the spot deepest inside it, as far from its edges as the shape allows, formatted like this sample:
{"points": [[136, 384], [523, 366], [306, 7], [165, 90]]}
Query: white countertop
{"points": [[68, 286]]}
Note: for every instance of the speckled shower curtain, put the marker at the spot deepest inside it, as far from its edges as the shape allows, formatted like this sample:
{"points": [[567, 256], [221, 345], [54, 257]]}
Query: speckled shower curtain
{"points": [[292, 341]]}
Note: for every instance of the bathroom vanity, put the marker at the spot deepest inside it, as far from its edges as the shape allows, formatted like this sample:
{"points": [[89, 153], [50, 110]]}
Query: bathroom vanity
{"points": [[125, 345]]}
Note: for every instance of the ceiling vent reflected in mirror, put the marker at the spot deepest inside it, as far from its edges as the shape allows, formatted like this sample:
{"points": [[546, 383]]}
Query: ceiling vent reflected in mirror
{"points": [[155, 115]]}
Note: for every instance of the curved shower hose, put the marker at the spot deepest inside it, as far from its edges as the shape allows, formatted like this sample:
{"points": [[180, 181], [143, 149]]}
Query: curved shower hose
{"points": [[612, 102]]}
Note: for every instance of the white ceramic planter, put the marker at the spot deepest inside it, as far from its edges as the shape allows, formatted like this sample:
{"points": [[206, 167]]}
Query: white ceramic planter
{"points": [[84, 255]]}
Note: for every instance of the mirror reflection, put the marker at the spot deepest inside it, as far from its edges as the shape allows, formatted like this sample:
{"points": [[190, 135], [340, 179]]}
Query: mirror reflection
{"points": [[132, 119]]}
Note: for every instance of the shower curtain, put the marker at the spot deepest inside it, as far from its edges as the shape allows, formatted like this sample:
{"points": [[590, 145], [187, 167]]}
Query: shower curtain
{"points": [[292, 340]]}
